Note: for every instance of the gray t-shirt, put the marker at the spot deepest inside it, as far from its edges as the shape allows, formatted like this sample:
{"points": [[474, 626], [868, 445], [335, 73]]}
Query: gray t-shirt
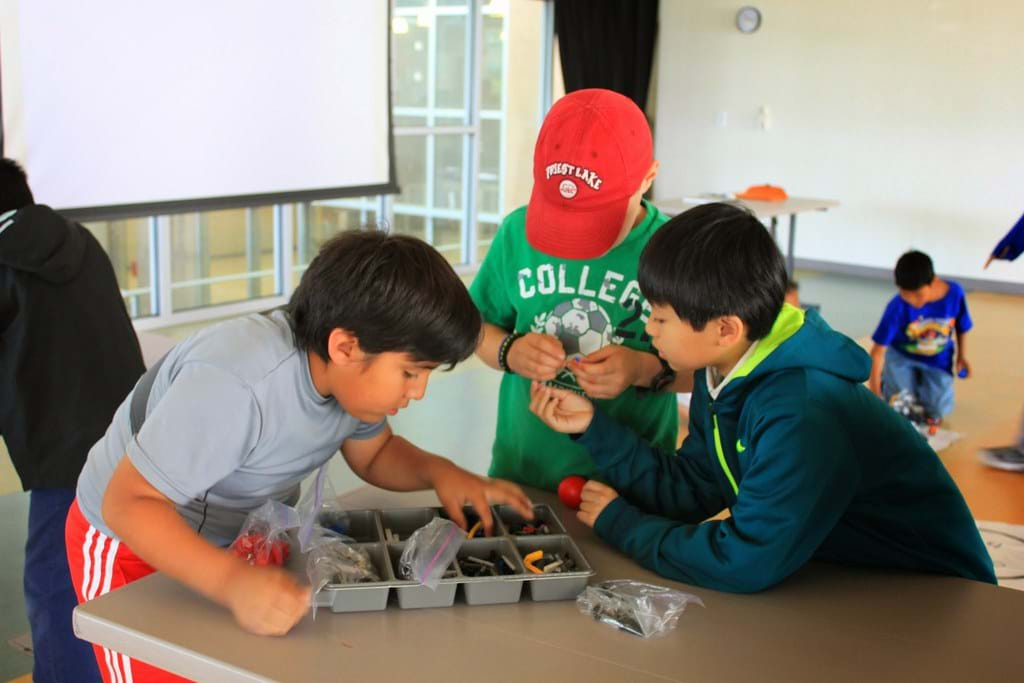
{"points": [[233, 419]]}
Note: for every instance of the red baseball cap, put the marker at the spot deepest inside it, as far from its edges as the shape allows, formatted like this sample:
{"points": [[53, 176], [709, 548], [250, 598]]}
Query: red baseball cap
{"points": [[592, 153]]}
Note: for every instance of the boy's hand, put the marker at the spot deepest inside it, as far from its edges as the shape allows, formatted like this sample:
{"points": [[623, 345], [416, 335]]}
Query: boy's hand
{"points": [[594, 500], [456, 487], [536, 356], [610, 370], [963, 366], [875, 385], [266, 601], [563, 411]]}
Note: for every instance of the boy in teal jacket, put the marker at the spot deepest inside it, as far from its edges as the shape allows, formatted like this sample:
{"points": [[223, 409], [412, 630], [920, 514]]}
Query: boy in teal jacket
{"points": [[782, 432]]}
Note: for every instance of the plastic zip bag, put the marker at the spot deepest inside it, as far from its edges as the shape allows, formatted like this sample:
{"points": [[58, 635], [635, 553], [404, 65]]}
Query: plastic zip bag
{"points": [[263, 538], [333, 560], [319, 506], [643, 609], [429, 551]]}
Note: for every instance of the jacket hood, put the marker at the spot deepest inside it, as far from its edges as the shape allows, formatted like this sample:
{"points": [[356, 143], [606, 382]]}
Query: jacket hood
{"points": [[42, 242], [800, 339]]}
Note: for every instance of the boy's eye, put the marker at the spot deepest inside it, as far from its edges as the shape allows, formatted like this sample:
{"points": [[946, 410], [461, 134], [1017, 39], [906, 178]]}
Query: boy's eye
{"points": [[409, 375]]}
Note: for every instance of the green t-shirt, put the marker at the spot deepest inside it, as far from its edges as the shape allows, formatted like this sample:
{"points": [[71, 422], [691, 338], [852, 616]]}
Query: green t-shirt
{"points": [[587, 304]]}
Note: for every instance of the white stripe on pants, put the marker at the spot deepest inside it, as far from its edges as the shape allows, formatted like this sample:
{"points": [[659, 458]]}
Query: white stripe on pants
{"points": [[97, 574]]}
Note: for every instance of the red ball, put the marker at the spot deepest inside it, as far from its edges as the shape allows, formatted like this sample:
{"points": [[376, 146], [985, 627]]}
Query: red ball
{"points": [[570, 490]]}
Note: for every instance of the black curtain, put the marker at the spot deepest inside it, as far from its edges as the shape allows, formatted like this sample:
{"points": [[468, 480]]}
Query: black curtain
{"points": [[607, 44]]}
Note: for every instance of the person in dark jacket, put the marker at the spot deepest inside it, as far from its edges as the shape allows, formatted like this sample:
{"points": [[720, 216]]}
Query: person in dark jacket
{"points": [[782, 432], [68, 357], [1010, 458]]}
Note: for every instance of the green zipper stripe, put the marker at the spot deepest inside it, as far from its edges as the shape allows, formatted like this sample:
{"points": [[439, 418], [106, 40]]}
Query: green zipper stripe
{"points": [[721, 456]]}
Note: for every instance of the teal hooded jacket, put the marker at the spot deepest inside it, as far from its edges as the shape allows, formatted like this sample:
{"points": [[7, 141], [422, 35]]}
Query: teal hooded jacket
{"points": [[810, 463]]}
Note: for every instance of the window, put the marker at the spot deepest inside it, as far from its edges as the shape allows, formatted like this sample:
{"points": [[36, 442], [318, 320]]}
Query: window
{"points": [[129, 245], [317, 222], [221, 257]]}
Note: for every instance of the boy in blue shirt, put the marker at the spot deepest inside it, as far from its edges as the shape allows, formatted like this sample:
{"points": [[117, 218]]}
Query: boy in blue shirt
{"points": [[782, 432], [915, 340]]}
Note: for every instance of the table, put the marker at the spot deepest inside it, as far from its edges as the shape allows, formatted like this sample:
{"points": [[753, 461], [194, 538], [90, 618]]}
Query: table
{"points": [[825, 623], [764, 210]]}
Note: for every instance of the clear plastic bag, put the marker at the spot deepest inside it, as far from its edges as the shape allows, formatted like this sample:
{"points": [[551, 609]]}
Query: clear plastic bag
{"points": [[264, 538], [429, 551], [333, 560], [319, 506], [640, 608]]}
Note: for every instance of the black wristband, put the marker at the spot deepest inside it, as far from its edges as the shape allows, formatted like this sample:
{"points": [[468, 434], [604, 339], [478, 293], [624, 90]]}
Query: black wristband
{"points": [[503, 350], [661, 380]]}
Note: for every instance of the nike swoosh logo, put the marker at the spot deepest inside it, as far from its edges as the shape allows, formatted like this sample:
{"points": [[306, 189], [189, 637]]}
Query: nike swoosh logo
{"points": [[739, 446]]}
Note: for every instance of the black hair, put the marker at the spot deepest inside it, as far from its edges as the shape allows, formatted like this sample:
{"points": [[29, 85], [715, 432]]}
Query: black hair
{"points": [[914, 270], [716, 260], [393, 292], [14, 189]]}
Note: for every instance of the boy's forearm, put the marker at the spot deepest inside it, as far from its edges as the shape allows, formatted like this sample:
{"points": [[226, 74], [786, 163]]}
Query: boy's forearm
{"points": [[961, 345], [490, 340], [657, 482], [401, 466], [652, 367], [155, 532]]}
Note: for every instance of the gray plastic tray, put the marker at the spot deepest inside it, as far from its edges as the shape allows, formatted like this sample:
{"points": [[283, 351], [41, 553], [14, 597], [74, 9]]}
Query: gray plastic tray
{"points": [[364, 526], [542, 514], [413, 595], [403, 521], [372, 528], [472, 517], [361, 597], [492, 590], [563, 586]]}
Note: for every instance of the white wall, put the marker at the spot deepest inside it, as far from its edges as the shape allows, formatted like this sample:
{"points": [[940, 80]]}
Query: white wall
{"points": [[909, 112]]}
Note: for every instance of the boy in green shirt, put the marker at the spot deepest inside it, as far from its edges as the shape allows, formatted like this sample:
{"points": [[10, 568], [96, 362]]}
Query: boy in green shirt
{"points": [[782, 432], [558, 289]]}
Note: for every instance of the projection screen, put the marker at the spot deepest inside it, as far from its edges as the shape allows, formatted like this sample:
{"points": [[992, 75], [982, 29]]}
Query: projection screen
{"points": [[121, 107]]}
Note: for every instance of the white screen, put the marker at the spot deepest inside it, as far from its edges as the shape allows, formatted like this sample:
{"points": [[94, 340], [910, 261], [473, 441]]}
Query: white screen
{"points": [[120, 102]]}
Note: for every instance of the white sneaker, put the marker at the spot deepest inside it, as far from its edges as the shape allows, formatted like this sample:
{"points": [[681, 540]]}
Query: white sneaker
{"points": [[1003, 458]]}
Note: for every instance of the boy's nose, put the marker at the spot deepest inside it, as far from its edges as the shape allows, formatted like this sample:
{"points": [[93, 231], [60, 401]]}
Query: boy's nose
{"points": [[417, 390]]}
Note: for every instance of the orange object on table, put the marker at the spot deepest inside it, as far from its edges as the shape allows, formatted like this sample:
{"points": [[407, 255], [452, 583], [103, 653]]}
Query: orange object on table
{"points": [[763, 193]]}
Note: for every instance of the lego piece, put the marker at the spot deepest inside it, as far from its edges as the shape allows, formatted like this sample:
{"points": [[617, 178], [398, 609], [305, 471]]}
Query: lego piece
{"points": [[529, 559], [485, 563]]}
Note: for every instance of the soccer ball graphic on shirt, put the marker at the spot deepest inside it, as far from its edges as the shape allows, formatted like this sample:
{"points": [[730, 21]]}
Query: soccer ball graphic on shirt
{"points": [[581, 325]]}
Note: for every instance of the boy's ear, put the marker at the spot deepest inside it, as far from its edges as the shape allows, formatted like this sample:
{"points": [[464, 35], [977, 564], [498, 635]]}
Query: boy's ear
{"points": [[343, 347], [730, 330], [649, 177]]}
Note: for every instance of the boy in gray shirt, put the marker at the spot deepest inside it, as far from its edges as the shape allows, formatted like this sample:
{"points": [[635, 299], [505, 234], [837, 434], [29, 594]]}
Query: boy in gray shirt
{"points": [[242, 411]]}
